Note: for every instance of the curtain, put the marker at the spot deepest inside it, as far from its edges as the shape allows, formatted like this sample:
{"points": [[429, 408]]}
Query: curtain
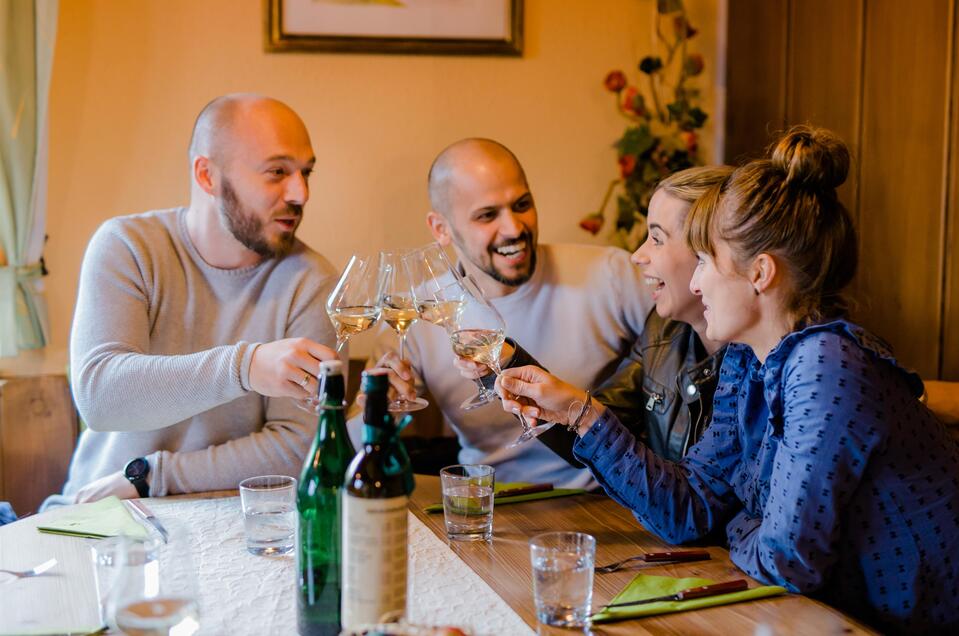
{"points": [[27, 35]]}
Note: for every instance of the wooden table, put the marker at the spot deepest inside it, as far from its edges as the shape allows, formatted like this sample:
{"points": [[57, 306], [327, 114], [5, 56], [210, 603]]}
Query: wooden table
{"points": [[505, 566], [242, 594]]}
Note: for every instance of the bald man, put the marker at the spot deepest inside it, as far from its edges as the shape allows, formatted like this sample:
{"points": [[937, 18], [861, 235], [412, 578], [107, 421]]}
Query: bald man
{"points": [[197, 328], [578, 308]]}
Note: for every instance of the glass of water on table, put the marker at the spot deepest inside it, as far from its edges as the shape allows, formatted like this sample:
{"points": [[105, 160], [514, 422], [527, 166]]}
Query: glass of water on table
{"points": [[563, 577], [468, 501], [269, 514]]}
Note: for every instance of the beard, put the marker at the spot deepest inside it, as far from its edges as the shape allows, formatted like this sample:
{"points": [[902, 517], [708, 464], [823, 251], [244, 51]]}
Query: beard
{"points": [[490, 268], [246, 228]]}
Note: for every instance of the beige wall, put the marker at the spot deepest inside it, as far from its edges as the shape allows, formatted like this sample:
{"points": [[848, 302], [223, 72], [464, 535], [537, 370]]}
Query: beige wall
{"points": [[129, 77]]}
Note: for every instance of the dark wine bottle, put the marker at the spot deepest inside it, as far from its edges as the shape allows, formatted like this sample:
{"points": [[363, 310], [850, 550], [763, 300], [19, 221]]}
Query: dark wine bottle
{"points": [[375, 507], [319, 504]]}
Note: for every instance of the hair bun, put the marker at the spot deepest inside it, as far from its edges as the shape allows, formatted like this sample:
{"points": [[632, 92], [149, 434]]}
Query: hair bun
{"points": [[811, 157]]}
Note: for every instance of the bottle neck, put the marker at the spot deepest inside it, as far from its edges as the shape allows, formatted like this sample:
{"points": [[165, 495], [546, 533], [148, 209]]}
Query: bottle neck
{"points": [[378, 422], [332, 392]]}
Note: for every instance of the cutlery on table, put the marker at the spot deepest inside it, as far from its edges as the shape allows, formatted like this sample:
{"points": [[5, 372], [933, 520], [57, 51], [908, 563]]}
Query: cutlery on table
{"points": [[714, 589], [523, 490], [657, 557], [38, 570], [143, 513]]}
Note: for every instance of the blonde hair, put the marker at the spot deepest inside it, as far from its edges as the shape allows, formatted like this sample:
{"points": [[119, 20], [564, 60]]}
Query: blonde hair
{"points": [[692, 183], [786, 205]]}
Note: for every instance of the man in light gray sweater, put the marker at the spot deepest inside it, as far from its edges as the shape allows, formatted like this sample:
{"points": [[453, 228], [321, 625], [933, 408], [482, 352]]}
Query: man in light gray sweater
{"points": [[197, 328], [578, 308]]}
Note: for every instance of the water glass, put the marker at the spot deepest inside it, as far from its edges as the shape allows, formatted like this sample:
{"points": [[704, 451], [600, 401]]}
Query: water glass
{"points": [[123, 561], [468, 502], [563, 577], [269, 514]]}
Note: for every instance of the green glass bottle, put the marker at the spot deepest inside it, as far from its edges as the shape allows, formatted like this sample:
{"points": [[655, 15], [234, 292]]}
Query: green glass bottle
{"points": [[375, 508], [319, 504]]}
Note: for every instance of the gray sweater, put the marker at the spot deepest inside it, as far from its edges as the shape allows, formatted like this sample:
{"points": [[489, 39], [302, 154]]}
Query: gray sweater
{"points": [[160, 357]]}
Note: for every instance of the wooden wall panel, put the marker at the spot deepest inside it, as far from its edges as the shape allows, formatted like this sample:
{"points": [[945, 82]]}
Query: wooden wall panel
{"points": [[755, 88], [901, 183], [950, 340], [38, 430], [823, 79]]}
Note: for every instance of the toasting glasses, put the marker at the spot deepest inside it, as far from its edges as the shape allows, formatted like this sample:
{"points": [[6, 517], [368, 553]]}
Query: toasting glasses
{"points": [[439, 294], [475, 328], [398, 309]]}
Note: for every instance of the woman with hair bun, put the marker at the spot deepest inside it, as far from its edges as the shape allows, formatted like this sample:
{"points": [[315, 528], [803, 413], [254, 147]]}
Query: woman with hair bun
{"points": [[827, 472]]}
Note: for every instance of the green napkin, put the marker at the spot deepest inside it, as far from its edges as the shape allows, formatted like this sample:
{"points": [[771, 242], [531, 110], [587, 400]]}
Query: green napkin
{"points": [[501, 501], [646, 586], [105, 518]]}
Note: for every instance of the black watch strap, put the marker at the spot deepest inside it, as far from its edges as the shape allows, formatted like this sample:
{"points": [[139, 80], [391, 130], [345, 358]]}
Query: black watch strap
{"points": [[136, 472]]}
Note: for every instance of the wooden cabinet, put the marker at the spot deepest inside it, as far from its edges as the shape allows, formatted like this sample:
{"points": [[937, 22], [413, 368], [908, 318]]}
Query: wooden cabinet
{"points": [[38, 431], [883, 75]]}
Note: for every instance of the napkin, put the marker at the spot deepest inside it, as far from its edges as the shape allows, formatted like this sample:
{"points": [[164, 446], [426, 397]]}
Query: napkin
{"points": [[105, 518], [500, 501], [646, 586]]}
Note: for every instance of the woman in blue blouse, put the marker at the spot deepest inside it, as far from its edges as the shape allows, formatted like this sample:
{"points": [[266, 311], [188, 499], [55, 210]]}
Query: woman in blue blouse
{"points": [[826, 471]]}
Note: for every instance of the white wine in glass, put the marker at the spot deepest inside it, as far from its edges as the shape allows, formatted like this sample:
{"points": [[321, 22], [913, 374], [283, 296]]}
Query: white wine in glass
{"points": [[478, 334], [398, 309], [351, 320], [353, 307], [439, 312]]}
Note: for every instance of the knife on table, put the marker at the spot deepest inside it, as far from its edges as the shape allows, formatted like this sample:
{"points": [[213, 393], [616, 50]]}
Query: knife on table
{"points": [[523, 490], [144, 514], [714, 589]]}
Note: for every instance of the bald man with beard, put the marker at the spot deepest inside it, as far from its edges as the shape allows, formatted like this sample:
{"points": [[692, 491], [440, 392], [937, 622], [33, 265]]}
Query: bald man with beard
{"points": [[196, 328], [578, 308]]}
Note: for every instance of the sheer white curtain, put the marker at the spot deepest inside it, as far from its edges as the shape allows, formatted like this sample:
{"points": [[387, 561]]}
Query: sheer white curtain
{"points": [[27, 35]]}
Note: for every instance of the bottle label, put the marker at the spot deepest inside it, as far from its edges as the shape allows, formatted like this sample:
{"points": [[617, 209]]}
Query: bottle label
{"points": [[374, 558]]}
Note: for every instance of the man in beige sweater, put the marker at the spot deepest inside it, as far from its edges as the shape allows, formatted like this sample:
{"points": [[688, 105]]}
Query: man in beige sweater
{"points": [[197, 328]]}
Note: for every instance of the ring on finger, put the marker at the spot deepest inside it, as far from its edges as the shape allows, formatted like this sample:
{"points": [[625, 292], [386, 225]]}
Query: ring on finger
{"points": [[305, 381]]}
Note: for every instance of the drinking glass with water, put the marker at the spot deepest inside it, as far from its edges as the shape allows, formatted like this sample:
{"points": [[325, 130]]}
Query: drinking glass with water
{"points": [[563, 577], [269, 514], [468, 501]]}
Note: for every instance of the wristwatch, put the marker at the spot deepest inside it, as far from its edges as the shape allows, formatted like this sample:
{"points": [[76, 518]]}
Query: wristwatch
{"points": [[136, 472]]}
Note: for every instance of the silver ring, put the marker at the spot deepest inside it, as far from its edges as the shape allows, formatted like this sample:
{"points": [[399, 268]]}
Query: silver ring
{"points": [[305, 381]]}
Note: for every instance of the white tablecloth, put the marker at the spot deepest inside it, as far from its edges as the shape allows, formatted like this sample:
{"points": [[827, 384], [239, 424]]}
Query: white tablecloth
{"points": [[245, 594]]}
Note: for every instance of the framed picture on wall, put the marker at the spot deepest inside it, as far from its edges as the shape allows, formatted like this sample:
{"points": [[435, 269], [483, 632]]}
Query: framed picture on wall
{"points": [[431, 27]]}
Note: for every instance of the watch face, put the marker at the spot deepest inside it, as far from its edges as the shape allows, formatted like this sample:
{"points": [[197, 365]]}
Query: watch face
{"points": [[137, 468]]}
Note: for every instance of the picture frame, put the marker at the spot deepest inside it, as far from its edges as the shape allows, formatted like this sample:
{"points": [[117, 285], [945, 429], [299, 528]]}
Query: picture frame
{"points": [[417, 27]]}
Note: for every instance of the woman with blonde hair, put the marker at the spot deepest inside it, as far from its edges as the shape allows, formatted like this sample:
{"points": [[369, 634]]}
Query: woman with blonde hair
{"points": [[664, 391], [826, 471]]}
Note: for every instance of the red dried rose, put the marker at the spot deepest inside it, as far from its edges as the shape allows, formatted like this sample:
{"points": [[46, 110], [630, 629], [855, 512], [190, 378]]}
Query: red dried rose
{"points": [[615, 81], [627, 163], [690, 140], [694, 64], [592, 222]]}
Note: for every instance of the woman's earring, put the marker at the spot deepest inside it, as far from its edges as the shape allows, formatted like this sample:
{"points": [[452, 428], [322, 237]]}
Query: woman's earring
{"points": [[756, 290]]}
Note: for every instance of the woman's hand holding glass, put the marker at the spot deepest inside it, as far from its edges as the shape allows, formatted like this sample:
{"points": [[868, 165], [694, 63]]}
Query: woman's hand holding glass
{"points": [[539, 395]]}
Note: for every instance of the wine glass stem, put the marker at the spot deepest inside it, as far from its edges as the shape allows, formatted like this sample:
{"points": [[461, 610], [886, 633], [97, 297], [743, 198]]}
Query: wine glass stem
{"points": [[340, 343], [402, 346], [494, 365]]}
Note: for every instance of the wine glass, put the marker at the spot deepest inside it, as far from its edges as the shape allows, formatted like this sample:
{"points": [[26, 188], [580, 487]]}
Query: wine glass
{"points": [[154, 590], [439, 295], [398, 309], [477, 334], [353, 307]]}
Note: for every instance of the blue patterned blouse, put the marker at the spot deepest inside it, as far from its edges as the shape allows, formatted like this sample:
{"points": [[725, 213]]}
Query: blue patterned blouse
{"points": [[826, 471]]}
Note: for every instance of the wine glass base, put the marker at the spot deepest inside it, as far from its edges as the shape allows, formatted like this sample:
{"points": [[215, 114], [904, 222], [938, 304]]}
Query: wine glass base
{"points": [[310, 405], [478, 400], [408, 406], [532, 433]]}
